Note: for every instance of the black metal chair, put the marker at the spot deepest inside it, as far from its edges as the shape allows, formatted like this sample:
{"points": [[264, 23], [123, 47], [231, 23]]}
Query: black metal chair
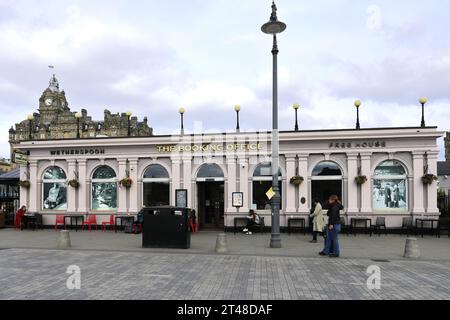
{"points": [[407, 224], [344, 226], [379, 223]]}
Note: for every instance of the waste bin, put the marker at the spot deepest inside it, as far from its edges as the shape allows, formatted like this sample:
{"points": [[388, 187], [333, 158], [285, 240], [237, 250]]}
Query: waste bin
{"points": [[166, 227]]}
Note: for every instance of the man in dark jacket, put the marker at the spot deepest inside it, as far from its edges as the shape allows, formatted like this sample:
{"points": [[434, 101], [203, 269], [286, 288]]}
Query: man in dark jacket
{"points": [[334, 227]]}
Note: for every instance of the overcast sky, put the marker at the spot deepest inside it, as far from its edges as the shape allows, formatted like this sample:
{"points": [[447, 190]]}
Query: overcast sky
{"points": [[152, 57]]}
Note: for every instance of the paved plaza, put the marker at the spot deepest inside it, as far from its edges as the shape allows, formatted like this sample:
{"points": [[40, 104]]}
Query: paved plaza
{"points": [[115, 266]]}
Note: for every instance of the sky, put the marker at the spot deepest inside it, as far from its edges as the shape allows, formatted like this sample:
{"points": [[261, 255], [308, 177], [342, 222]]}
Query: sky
{"points": [[153, 57]]}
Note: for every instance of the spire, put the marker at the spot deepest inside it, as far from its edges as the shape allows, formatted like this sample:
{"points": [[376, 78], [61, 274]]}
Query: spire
{"points": [[54, 84], [273, 16]]}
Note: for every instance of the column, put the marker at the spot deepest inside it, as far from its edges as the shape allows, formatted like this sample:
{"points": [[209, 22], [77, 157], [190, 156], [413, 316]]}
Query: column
{"points": [[366, 188], [232, 187], [122, 191], [417, 186], [187, 178], [303, 208], [291, 189], [352, 186], [134, 206], [83, 188], [35, 186], [432, 208], [243, 184], [176, 179], [71, 192]]}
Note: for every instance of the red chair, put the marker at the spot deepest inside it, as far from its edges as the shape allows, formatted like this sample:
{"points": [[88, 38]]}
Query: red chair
{"points": [[59, 222], [193, 225], [111, 223], [91, 220], [135, 225]]}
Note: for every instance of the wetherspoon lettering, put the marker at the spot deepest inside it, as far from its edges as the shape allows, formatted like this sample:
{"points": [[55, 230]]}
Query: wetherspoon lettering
{"points": [[77, 152], [365, 144], [211, 147]]}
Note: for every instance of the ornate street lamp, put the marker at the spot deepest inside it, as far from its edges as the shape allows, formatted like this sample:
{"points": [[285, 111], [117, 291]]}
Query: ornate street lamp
{"points": [[237, 108], [129, 113], [273, 27], [78, 116], [296, 106], [30, 124], [182, 111], [357, 105], [423, 101]]}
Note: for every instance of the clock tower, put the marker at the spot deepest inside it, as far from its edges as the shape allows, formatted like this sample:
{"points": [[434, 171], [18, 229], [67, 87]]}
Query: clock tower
{"points": [[52, 102]]}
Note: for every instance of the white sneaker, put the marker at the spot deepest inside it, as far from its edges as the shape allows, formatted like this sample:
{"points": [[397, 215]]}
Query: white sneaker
{"points": [[249, 232], [245, 230]]}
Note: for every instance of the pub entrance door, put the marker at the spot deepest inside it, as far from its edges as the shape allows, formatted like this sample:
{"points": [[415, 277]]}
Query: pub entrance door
{"points": [[211, 204]]}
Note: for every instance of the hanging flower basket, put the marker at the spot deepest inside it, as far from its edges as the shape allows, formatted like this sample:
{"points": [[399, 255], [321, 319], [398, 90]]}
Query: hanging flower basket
{"points": [[25, 184], [360, 180], [126, 182], [429, 178], [297, 180], [74, 183]]}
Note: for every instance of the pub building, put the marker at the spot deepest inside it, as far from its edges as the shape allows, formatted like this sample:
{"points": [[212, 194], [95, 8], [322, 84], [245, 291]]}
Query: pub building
{"points": [[222, 176]]}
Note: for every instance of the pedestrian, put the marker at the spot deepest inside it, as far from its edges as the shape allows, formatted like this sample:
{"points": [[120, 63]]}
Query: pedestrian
{"points": [[334, 207], [19, 216], [253, 219], [317, 218]]}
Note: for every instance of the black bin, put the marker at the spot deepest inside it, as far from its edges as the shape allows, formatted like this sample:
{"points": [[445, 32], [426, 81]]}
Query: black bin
{"points": [[166, 227]]}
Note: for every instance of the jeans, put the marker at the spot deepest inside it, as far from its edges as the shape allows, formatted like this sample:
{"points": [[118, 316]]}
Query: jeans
{"points": [[332, 236]]}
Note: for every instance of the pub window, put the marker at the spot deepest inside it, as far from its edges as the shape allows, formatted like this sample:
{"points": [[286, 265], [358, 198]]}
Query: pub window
{"points": [[54, 189], [104, 189], [210, 171], [326, 180], [156, 190], [390, 187], [262, 182]]}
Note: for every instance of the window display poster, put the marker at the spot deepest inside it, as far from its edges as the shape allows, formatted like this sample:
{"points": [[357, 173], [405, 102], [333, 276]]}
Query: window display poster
{"points": [[237, 199], [181, 198]]}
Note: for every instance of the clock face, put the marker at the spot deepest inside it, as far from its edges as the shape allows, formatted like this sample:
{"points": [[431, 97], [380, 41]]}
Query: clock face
{"points": [[48, 102]]}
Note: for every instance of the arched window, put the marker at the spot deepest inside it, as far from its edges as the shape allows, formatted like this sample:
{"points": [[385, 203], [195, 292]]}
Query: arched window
{"points": [[54, 189], [210, 171], [262, 182], [326, 180], [390, 187], [156, 186], [104, 189]]}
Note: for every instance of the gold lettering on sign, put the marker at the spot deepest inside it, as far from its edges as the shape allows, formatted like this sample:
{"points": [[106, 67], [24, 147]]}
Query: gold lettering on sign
{"points": [[211, 148]]}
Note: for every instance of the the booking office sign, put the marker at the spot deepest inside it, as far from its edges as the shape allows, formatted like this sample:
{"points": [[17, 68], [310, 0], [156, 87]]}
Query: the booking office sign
{"points": [[210, 147]]}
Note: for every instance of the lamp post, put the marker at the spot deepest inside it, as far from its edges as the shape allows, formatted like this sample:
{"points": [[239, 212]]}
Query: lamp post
{"points": [[273, 27], [129, 113], [423, 101], [296, 107], [30, 124], [357, 105], [182, 111], [78, 116], [237, 108]]}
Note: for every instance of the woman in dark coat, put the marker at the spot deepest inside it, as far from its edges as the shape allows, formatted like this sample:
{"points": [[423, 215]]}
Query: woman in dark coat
{"points": [[334, 227]]}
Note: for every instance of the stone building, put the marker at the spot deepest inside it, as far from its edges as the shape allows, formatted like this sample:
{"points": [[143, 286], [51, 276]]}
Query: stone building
{"points": [[447, 146], [55, 120]]}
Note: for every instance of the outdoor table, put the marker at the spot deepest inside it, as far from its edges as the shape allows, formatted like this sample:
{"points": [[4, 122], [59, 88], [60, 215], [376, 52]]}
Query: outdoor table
{"points": [[73, 217], [367, 223], [26, 220], [292, 221], [121, 218], [432, 225]]}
